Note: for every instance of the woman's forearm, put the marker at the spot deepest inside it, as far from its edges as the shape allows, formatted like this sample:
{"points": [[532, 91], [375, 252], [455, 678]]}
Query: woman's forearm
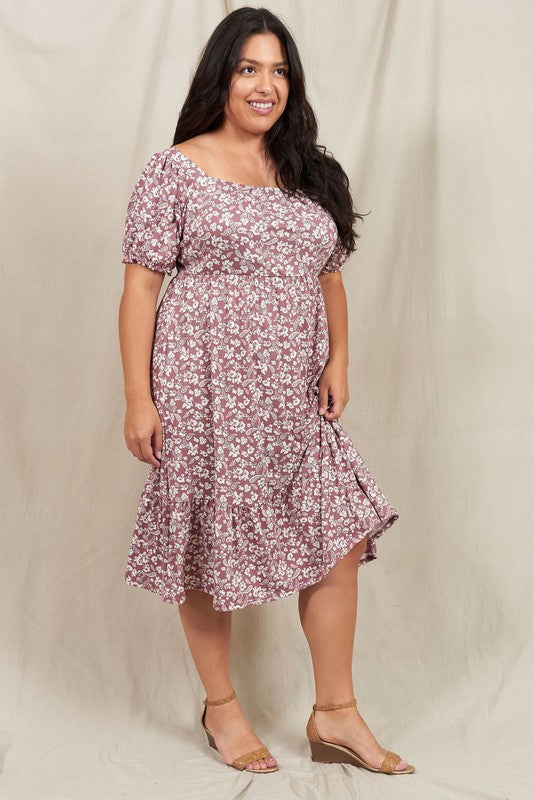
{"points": [[136, 331], [337, 315]]}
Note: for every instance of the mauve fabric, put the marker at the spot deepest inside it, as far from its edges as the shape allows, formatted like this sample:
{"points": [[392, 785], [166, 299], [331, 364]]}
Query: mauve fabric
{"points": [[257, 495]]}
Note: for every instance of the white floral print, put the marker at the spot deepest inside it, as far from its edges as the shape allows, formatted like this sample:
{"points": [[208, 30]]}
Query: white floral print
{"points": [[257, 495]]}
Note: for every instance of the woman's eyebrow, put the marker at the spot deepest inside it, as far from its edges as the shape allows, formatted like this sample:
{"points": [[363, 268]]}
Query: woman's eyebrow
{"points": [[252, 61]]}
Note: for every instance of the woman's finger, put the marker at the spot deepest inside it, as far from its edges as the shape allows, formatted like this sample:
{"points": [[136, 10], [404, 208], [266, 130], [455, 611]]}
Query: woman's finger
{"points": [[323, 398], [335, 408], [135, 449], [147, 452], [158, 442]]}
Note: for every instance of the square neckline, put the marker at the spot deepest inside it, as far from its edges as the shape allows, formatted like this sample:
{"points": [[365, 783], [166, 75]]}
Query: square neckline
{"points": [[223, 180]]}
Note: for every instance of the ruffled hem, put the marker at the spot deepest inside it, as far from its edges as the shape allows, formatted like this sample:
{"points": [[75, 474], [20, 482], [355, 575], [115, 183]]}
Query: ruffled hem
{"points": [[245, 551], [245, 554], [171, 591]]}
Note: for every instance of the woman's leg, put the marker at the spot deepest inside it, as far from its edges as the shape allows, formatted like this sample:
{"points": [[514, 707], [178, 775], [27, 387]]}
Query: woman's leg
{"points": [[328, 613], [208, 634]]}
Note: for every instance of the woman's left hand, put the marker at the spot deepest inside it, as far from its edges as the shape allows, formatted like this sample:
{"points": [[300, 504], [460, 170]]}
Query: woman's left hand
{"points": [[333, 389]]}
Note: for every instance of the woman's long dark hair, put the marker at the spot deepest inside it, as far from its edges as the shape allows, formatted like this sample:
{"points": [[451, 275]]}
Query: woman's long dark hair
{"points": [[291, 141]]}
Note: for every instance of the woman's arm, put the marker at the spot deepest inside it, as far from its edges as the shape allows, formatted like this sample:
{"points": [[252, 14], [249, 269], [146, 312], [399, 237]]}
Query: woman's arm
{"points": [[136, 322], [333, 382]]}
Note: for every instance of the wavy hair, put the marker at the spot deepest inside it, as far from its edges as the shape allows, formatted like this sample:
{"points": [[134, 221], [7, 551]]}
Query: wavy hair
{"points": [[290, 143]]}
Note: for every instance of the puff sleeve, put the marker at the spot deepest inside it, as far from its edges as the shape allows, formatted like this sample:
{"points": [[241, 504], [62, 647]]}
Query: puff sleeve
{"points": [[335, 262], [153, 223]]}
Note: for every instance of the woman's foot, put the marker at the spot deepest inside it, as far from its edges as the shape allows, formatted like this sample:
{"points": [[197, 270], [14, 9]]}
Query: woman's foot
{"points": [[346, 726], [233, 734]]}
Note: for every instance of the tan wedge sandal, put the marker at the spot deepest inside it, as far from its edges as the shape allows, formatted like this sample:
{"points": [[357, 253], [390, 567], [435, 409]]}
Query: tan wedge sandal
{"points": [[246, 758], [332, 753]]}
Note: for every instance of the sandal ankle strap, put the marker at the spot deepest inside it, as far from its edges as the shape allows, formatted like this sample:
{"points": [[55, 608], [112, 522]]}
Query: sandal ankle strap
{"points": [[219, 702], [333, 707]]}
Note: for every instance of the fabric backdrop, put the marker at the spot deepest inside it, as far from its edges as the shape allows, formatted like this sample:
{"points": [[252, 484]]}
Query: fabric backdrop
{"points": [[427, 105]]}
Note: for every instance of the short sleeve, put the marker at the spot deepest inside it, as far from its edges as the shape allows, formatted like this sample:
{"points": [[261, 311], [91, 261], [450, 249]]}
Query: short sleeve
{"points": [[335, 262], [153, 224]]}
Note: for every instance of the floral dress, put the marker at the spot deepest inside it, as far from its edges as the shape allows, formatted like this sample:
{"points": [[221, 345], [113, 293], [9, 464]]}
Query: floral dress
{"points": [[257, 495]]}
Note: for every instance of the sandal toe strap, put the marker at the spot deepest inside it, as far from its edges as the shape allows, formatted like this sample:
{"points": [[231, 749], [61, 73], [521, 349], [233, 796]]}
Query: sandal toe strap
{"points": [[389, 762], [254, 755]]}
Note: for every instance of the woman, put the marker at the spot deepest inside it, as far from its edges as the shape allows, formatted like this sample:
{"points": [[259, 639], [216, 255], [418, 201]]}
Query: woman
{"points": [[235, 386]]}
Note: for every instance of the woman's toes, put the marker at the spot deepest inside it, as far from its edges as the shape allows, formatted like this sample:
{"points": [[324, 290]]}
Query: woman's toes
{"points": [[262, 763], [401, 765]]}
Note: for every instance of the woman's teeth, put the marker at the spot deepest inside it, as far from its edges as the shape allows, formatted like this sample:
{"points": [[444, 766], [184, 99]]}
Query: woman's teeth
{"points": [[260, 105]]}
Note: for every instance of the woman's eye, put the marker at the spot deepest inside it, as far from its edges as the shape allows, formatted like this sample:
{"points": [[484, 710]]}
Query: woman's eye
{"points": [[277, 70]]}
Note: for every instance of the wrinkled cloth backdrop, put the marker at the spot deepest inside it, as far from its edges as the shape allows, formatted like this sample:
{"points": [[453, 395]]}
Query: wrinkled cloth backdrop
{"points": [[428, 107]]}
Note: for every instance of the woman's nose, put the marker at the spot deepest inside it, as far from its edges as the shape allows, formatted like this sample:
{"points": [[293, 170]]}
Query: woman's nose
{"points": [[264, 84]]}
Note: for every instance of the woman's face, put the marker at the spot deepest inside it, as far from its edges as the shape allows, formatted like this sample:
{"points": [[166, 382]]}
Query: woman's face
{"points": [[261, 75]]}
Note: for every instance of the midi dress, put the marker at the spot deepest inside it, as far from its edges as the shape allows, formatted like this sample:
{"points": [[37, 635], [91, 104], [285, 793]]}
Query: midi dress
{"points": [[257, 495]]}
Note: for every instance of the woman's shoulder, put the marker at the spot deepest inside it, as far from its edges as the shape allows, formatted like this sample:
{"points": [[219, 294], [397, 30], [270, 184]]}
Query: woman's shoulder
{"points": [[197, 155], [164, 174], [184, 159], [169, 165]]}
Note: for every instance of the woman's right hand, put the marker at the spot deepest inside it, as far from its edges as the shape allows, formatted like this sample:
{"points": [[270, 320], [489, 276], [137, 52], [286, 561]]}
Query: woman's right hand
{"points": [[143, 431]]}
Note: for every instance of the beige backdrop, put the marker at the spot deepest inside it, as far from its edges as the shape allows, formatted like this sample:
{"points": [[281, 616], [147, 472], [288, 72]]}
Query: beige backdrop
{"points": [[427, 105]]}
